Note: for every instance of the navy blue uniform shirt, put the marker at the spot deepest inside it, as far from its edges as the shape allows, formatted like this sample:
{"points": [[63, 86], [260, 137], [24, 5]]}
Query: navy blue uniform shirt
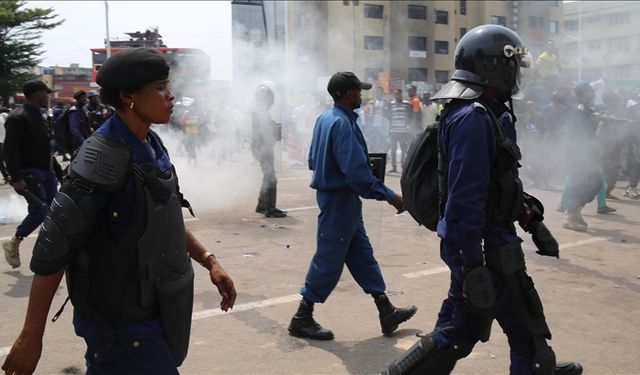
{"points": [[339, 158], [468, 142]]}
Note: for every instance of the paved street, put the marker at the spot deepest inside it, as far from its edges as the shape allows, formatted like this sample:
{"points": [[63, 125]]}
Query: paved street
{"points": [[591, 295]]}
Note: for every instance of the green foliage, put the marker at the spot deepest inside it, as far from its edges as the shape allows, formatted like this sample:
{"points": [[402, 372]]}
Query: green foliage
{"points": [[20, 46]]}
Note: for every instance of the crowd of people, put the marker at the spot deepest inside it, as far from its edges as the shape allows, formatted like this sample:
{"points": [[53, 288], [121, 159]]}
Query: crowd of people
{"points": [[128, 207]]}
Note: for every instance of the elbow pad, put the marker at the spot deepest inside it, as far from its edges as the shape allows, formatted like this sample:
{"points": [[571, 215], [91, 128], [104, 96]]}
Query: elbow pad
{"points": [[65, 227]]}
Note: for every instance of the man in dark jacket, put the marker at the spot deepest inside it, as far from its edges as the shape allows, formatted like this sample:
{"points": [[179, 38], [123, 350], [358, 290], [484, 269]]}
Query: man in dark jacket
{"points": [[33, 170]]}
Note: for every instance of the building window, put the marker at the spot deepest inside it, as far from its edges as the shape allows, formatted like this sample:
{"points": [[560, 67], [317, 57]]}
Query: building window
{"points": [[417, 46], [499, 20], [618, 46], [417, 75], [594, 46], [463, 30], [303, 19], [442, 47], [619, 18], [373, 11], [571, 25], [442, 76], [536, 22], [555, 3], [417, 43], [373, 42], [417, 12], [372, 74], [442, 16], [463, 7], [553, 27]]}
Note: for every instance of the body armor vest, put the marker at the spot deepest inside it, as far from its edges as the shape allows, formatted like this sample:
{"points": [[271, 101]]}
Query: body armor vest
{"points": [[505, 192], [146, 272]]}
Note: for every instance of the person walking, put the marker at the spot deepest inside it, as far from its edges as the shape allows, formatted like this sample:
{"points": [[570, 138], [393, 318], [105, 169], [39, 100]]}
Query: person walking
{"points": [[116, 229], [33, 171], [339, 160], [482, 200]]}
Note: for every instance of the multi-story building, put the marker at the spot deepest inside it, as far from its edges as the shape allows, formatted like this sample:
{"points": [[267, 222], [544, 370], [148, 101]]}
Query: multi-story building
{"points": [[388, 41], [65, 80], [601, 40]]}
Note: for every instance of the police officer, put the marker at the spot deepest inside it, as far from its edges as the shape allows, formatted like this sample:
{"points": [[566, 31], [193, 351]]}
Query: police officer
{"points": [[96, 111], [33, 171], [79, 126], [265, 133], [116, 226], [341, 174], [482, 197]]}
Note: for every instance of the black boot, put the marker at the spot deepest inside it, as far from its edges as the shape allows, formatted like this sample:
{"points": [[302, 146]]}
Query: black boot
{"points": [[303, 324], [568, 368], [261, 208], [391, 316], [271, 210]]}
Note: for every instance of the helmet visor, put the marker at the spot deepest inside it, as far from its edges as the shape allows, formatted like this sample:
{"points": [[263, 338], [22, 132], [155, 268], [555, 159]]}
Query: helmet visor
{"points": [[524, 76]]}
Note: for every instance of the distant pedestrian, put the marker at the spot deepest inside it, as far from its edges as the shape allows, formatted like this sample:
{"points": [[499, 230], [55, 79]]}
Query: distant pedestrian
{"points": [[399, 134]]}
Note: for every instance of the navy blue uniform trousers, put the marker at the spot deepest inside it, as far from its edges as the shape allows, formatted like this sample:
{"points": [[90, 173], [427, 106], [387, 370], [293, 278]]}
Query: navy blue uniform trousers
{"points": [[341, 239], [44, 185]]}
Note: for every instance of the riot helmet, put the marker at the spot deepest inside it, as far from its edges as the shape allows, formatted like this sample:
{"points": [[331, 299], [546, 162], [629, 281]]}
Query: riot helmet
{"points": [[264, 96], [494, 56]]}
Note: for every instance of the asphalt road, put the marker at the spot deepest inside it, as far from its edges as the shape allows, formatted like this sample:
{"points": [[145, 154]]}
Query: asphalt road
{"points": [[591, 294]]}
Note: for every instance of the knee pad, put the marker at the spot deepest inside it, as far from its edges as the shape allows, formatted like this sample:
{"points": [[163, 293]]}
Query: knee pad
{"points": [[424, 357]]}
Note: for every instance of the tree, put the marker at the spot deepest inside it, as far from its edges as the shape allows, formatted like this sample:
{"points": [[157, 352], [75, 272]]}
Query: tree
{"points": [[20, 46]]}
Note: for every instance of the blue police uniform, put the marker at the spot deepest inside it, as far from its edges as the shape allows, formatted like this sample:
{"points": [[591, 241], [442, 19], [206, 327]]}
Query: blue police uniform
{"points": [[339, 160], [138, 347], [468, 142]]}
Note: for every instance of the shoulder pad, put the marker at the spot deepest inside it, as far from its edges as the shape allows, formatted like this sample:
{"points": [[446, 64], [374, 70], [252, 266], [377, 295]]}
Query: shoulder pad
{"points": [[103, 162], [479, 107]]}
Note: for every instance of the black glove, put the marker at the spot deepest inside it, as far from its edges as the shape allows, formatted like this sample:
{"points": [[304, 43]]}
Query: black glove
{"points": [[479, 297], [544, 240]]}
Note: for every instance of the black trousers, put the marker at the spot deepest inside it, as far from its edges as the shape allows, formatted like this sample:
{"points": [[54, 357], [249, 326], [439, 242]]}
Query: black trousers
{"points": [[3, 168]]}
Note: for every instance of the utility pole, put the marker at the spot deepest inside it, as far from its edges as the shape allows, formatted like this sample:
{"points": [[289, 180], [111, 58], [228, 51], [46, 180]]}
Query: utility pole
{"points": [[108, 40]]}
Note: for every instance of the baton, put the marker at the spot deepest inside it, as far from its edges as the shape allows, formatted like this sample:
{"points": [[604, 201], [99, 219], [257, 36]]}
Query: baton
{"points": [[32, 198]]}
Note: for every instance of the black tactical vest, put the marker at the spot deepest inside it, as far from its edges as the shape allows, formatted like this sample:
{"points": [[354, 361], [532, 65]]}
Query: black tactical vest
{"points": [[506, 195], [146, 272]]}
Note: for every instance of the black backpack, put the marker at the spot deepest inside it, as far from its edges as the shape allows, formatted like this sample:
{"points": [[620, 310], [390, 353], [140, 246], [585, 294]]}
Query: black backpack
{"points": [[62, 133], [421, 177]]}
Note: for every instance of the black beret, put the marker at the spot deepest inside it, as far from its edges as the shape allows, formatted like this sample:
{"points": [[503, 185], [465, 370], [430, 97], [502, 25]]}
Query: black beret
{"points": [[132, 68], [78, 94]]}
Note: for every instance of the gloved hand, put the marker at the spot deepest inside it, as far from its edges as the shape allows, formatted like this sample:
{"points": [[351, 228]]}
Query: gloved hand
{"points": [[544, 240], [479, 297]]}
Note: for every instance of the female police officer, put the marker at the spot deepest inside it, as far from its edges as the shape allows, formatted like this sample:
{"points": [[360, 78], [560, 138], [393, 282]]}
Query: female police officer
{"points": [[116, 227]]}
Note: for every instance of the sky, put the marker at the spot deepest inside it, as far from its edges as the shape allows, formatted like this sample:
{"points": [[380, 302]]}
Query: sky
{"points": [[188, 24]]}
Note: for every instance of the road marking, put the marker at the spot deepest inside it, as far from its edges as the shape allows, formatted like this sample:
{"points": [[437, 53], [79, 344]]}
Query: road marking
{"points": [[191, 219], [246, 306], [296, 297], [582, 242], [294, 178], [432, 271], [300, 208]]}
